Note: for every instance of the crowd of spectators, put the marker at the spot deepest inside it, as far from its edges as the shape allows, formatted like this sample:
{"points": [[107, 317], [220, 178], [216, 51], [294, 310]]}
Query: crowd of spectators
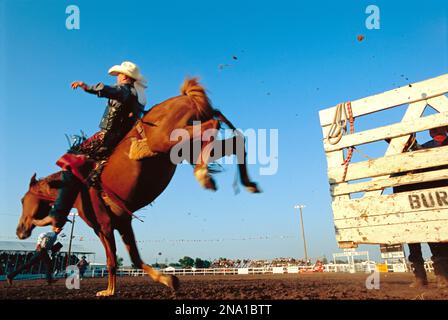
{"points": [[10, 261], [248, 263]]}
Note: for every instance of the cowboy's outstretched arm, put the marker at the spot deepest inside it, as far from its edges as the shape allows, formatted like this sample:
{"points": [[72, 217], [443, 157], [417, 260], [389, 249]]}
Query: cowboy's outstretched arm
{"points": [[119, 93]]}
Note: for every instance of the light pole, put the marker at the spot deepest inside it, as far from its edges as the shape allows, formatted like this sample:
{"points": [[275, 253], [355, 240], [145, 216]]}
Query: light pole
{"points": [[300, 207]]}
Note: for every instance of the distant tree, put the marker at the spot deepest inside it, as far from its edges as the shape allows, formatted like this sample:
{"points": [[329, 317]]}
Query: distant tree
{"points": [[186, 262], [175, 265], [199, 263], [324, 260], [207, 264]]}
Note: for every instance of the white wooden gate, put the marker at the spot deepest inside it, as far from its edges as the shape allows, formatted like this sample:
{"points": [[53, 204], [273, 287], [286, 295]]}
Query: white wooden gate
{"points": [[407, 217]]}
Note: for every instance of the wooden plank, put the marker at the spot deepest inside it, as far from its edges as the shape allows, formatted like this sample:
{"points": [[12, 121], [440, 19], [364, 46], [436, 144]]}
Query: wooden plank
{"points": [[415, 201], [419, 159], [423, 90], [347, 188], [439, 103], [390, 131], [430, 231], [394, 218], [409, 124], [414, 111], [334, 159], [396, 145]]}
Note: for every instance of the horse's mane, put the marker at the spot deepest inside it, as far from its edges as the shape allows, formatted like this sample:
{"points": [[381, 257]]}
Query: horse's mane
{"points": [[196, 92]]}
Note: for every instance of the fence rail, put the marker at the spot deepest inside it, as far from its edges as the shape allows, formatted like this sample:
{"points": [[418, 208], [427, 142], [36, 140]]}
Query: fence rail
{"points": [[358, 267], [103, 272], [205, 271]]}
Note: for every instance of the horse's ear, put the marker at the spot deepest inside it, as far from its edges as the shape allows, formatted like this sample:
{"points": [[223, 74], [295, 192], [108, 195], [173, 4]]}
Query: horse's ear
{"points": [[33, 180]]}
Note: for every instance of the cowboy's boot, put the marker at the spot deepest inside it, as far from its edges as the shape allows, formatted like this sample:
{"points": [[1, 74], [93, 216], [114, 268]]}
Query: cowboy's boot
{"points": [[421, 279], [57, 217], [441, 272]]}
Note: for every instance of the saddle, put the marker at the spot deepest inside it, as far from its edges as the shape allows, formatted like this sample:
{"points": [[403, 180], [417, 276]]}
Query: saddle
{"points": [[86, 158]]}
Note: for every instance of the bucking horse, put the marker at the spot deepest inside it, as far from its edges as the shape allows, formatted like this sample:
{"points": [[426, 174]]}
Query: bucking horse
{"points": [[137, 172]]}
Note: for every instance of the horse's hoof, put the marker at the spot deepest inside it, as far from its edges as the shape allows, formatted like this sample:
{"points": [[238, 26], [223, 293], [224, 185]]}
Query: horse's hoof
{"points": [[205, 179], [105, 293], [253, 188], [171, 282], [210, 184]]}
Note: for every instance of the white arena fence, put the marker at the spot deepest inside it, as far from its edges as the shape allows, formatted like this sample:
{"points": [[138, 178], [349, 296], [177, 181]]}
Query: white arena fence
{"points": [[198, 272], [129, 272], [358, 267]]}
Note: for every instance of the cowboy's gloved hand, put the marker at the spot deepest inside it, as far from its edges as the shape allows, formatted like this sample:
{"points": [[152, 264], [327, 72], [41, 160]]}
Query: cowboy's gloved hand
{"points": [[77, 84]]}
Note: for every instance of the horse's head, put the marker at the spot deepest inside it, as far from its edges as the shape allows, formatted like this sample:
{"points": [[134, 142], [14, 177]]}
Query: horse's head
{"points": [[33, 207]]}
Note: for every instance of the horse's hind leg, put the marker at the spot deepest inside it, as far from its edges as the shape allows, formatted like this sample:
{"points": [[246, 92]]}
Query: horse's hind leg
{"points": [[240, 152], [127, 234], [221, 148]]}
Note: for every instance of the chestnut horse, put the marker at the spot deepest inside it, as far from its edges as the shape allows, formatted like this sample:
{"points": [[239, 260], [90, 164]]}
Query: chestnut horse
{"points": [[137, 182]]}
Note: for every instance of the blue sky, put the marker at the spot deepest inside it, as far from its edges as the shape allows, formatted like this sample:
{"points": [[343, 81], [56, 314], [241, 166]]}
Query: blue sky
{"points": [[294, 58]]}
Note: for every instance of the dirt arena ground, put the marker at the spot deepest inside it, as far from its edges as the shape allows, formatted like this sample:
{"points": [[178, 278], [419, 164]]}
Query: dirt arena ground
{"points": [[247, 287]]}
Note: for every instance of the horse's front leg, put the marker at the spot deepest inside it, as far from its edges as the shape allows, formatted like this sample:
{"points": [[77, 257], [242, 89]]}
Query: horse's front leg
{"points": [[108, 241]]}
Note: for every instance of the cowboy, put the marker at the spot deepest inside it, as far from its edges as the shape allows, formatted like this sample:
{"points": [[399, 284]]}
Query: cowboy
{"points": [[126, 102], [439, 250], [45, 243], [82, 266]]}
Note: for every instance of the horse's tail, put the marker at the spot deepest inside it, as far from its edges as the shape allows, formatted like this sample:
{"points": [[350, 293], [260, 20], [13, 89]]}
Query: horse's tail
{"points": [[196, 92]]}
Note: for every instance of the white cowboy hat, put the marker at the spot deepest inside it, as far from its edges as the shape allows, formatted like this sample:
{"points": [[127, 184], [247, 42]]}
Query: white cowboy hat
{"points": [[131, 70], [128, 68]]}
